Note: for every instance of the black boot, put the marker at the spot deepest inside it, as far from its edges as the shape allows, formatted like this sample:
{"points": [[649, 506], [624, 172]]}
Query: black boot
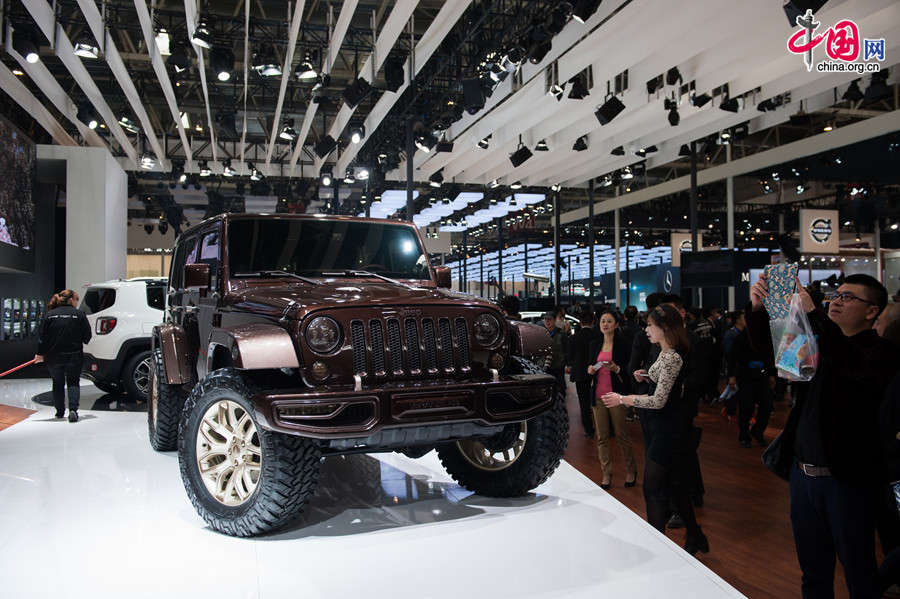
{"points": [[696, 542], [73, 416]]}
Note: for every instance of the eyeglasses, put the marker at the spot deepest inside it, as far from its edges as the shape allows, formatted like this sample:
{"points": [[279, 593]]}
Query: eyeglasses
{"points": [[846, 297]]}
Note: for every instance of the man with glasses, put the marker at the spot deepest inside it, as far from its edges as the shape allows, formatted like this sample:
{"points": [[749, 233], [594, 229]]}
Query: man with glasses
{"points": [[831, 435]]}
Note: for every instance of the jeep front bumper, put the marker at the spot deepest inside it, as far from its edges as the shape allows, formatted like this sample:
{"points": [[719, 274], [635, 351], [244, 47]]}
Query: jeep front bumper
{"points": [[336, 413]]}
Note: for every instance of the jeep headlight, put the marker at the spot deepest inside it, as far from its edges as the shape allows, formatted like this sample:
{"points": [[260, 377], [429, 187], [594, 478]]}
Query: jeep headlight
{"points": [[323, 334], [487, 330]]}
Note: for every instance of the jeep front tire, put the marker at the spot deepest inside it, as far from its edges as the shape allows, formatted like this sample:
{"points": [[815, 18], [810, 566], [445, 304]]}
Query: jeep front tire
{"points": [[163, 407], [243, 480]]}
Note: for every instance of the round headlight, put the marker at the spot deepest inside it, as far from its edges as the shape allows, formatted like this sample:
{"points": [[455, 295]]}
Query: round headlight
{"points": [[323, 334], [487, 330]]}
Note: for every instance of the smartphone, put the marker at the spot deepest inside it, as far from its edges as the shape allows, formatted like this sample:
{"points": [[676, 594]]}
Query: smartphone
{"points": [[781, 279]]}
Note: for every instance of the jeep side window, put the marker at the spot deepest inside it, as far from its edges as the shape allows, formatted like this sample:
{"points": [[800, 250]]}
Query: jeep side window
{"points": [[183, 255], [209, 254]]}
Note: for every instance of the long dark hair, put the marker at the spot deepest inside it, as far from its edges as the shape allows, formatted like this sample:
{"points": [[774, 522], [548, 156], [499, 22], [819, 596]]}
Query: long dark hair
{"points": [[63, 298], [670, 321]]}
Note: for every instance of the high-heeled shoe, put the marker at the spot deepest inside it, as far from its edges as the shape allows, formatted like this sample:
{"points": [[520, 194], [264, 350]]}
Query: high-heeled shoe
{"points": [[606, 484], [695, 543], [632, 482]]}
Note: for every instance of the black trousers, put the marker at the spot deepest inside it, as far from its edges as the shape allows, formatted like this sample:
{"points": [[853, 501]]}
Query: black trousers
{"points": [[65, 370], [585, 403], [829, 518], [751, 393]]}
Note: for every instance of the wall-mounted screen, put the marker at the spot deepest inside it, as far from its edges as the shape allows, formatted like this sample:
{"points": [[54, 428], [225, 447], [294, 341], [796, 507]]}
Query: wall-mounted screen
{"points": [[17, 170]]}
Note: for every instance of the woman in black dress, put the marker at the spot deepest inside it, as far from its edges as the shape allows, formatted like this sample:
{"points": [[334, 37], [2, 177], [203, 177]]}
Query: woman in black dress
{"points": [[666, 426]]}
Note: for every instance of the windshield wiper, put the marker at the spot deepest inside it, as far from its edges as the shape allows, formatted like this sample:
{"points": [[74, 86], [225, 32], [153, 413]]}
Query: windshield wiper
{"points": [[366, 273], [277, 273]]}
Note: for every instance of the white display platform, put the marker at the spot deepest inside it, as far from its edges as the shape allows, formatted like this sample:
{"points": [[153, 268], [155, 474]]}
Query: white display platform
{"points": [[89, 510]]}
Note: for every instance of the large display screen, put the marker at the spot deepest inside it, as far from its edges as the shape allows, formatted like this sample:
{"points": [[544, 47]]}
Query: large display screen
{"points": [[17, 171]]}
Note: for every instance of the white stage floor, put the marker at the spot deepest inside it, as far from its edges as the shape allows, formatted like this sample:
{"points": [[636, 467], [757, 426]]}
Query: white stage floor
{"points": [[89, 510]]}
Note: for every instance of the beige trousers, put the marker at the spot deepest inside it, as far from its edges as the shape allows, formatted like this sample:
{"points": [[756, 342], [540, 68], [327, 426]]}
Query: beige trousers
{"points": [[603, 417]]}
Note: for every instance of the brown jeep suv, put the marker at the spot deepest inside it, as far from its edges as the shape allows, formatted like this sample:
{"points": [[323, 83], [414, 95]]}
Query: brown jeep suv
{"points": [[292, 338]]}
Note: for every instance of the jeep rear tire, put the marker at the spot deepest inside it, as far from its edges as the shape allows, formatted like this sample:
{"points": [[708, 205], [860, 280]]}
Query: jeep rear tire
{"points": [[243, 480], [163, 407], [136, 375], [516, 460]]}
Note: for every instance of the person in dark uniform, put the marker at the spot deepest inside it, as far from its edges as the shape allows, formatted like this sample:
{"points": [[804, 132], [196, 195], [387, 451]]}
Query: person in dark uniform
{"points": [[64, 331], [753, 376], [578, 359]]}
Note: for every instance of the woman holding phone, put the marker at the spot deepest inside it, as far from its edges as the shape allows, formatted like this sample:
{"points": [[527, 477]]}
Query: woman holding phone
{"points": [[666, 425], [610, 353]]}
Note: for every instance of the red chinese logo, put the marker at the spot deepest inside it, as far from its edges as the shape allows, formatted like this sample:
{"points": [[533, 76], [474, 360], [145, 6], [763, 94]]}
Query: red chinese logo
{"points": [[842, 41]]}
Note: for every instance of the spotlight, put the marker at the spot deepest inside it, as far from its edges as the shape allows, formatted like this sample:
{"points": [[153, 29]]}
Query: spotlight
{"points": [[203, 33], [607, 181], [179, 59], [356, 92], [557, 90], [579, 89], [581, 144], [85, 48], [24, 43], [163, 227], [494, 185], [305, 70], [288, 133], [853, 93], [739, 132], [618, 151], [473, 95], [148, 228], [147, 161], [444, 146], [265, 63], [674, 117], [485, 143], [654, 84], [163, 42], [627, 173], [348, 177], [609, 110], [436, 179], [729, 104], [673, 76], [878, 88], [542, 146], [426, 141], [87, 115], [394, 74], [357, 133], [518, 157], [801, 188], [765, 106], [798, 8], [221, 61], [516, 185], [255, 175], [539, 51], [685, 150], [227, 169], [516, 55], [700, 100], [18, 72], [129, 125], [583, 9], [203, 167], [325, 178], [324, 146]]}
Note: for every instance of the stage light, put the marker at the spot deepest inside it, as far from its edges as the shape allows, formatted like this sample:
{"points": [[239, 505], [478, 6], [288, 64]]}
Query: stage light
{"points": [[516, 55], [583, 9], [87, 115], [394, 75], [362, 174], [255, 175], [539, 51], [654, 84], [581, 144], [221, 60], [729, 104], [542, 146], [357, 133], [325, 146], [765, 106], [356, 92], [609, 110], [436, 179], [306, 70], [853, 93], [265, 62], [348, 177], [494, 185], [579, 89], [801, 187], [325, 178], [515, 185], [673, 76], [618, 151], [444, 146], [129, 125], [227, 169], [163, 42], [18, 72], [485, 143], [518, 157], [426, 141], [798, 8], [148, 228], [86, 48], [147, 161], [179, 59], [700, 100], [557, 90], [685, 150], [627, 173], [203, 167], [203, 33], [288, 133], [473, 95], [24, 43]]}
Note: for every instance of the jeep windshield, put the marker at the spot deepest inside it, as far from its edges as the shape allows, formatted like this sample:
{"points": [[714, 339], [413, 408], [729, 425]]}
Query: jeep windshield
{"points": [[312, 247]]}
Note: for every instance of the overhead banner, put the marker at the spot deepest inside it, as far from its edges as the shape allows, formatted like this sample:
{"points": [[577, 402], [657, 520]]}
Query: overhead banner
{"points": [[819, 231]]}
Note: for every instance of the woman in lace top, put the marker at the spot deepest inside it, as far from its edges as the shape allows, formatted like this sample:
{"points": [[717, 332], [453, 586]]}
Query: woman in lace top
{"points": [[666, 426]]}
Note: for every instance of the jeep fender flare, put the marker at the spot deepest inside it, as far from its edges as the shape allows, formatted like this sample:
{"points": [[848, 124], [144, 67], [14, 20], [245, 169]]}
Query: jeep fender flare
{"points": [[254, 346], [529, 340], [172, 340]]}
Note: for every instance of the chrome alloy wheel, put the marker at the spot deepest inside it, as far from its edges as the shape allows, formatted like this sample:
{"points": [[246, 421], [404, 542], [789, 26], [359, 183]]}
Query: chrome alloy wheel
{"points": [[491, 458], [141, 375], [229, 456]]}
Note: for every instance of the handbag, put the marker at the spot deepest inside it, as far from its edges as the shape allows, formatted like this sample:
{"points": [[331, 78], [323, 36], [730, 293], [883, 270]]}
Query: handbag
{"points": [[778, 458]]}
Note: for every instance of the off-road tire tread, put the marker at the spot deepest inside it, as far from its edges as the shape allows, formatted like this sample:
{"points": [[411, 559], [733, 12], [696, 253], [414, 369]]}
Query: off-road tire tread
{"points": [[164, 437], [548, 435], [290, 469]]}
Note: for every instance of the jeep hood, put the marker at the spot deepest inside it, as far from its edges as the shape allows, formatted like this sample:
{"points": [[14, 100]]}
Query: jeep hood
{"points": [[301, 298]]}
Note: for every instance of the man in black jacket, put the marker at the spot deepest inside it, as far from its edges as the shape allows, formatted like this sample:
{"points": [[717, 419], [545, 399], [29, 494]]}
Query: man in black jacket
{"points": [[753, 375], [832, 435], [578, 359], [63, 332]]}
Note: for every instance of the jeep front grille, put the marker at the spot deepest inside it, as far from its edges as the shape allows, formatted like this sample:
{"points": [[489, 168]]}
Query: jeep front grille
{"points": [[417, 347]]}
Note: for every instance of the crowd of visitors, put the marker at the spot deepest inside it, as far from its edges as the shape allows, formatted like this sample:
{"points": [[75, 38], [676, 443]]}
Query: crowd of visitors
{"points": [[840, 444]]}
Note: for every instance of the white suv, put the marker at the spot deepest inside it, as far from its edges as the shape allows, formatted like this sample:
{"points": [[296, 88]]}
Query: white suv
{"points": [[122, 315]]}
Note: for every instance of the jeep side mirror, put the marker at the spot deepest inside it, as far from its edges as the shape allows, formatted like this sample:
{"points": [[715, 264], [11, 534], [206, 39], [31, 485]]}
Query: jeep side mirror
{"points": [[196, 276], [442, 276]]}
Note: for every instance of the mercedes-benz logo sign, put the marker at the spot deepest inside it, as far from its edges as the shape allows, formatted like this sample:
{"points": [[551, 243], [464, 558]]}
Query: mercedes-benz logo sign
{"points": [[667, 283], [820, 230]]}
